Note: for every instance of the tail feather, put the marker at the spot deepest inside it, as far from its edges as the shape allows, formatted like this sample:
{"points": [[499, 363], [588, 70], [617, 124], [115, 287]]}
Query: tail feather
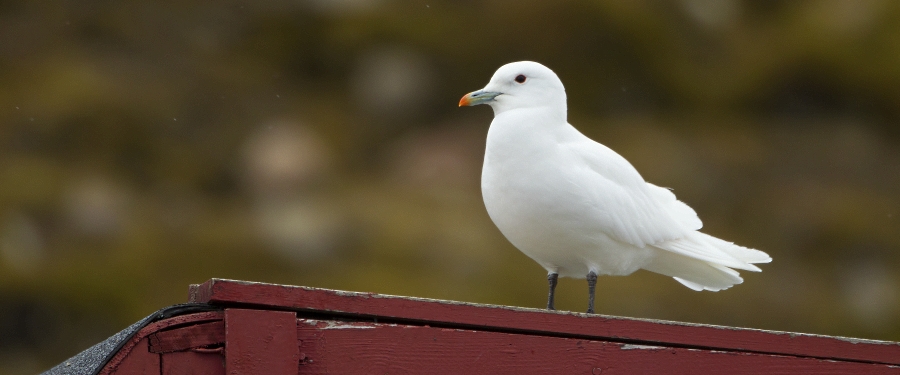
{"points": [[695, 274], [741, 253], [703, 262], [707, 248]]}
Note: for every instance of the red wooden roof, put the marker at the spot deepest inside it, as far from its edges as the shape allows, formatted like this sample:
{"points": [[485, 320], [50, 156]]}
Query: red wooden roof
{"points": [[639, 333], [236, 328]]}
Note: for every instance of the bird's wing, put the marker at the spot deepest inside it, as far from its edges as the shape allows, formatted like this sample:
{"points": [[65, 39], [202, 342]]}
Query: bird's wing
{"points": [[637, 212], [698, 245], [632, 210], [680, 211]]}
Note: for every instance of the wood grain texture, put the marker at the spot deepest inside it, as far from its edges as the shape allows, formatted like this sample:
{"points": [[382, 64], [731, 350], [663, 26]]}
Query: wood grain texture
{"points": [[261, 342], [183, 338], [141, 336], [193, 363], [366, 348], [139, 362], [541, 322]]}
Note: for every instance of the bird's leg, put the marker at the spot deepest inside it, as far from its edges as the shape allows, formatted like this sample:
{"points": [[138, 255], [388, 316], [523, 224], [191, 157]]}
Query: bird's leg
{"points": [[551, 279], [592, 284]]}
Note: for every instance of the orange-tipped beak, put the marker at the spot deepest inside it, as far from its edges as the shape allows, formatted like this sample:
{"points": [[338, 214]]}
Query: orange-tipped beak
{"points": [[477, 97], [465, 101]]}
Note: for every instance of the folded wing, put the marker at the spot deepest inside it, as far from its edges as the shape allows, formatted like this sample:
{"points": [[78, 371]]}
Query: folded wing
{"points": [[642, 214]]}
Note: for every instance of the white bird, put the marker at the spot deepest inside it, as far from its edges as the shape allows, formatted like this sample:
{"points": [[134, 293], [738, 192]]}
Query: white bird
{"points": [[577, 207]]}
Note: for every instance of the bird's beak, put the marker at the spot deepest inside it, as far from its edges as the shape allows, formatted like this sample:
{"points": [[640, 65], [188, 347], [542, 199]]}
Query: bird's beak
{"points": [[478, 97]]}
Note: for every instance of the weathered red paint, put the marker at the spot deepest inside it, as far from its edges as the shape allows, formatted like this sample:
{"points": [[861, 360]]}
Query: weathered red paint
{"points": [[259, 332], [139, 345], [533, 322], [261, 342], [193, 363], [139, 362], [183, 338], [369, 348]]}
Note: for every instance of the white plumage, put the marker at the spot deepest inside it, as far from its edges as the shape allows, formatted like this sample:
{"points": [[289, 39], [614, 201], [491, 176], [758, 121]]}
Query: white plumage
{"points": [[575, 206]]}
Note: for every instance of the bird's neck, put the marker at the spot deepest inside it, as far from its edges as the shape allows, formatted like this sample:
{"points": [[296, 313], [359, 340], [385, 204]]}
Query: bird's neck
{"points": [[524, 129], [549, 113]]}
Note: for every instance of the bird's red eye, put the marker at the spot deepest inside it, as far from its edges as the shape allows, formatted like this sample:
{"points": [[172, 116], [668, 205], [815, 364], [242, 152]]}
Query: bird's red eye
{"points": [[520, 78]]}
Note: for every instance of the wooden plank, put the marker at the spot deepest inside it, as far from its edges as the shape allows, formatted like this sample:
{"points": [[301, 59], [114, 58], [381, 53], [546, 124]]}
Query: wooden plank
{"points": [[139, 362], [261, 342], [183, 338], [132, 345], [542, 322], [368, 348], [310, 342], [194, 363]]}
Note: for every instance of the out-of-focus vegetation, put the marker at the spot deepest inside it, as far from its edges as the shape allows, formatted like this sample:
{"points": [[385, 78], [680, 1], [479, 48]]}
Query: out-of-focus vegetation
{"points": [[145, 146]]}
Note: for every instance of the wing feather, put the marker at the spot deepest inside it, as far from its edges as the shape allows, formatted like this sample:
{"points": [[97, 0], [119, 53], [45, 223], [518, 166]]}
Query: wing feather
{"points": [[641, 214], [632, 210]]}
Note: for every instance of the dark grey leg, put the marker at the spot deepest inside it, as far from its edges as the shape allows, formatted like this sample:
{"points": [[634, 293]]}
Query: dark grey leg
{"points": [[551, 279], [592, 284]]}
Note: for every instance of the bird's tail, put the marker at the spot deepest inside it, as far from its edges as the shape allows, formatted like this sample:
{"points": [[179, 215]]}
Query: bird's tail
{"points": [[703, 262]]}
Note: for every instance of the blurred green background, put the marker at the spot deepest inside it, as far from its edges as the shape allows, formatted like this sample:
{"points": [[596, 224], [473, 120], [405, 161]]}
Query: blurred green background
{"points": [[145, 146]]}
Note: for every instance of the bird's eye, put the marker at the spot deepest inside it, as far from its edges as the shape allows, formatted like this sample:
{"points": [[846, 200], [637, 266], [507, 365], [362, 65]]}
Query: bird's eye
{"points": [[520, 78]]}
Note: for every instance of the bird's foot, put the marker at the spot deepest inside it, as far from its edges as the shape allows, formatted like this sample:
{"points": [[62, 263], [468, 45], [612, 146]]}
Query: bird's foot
{"points": [[551, 280], [592, 284]]}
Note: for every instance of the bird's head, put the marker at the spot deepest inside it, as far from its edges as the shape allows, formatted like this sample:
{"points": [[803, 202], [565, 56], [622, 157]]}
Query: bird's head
{"points": [[523, 84]]}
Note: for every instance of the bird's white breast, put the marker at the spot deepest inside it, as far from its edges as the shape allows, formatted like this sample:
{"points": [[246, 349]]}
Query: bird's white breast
{"points": [[540, 197]]}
